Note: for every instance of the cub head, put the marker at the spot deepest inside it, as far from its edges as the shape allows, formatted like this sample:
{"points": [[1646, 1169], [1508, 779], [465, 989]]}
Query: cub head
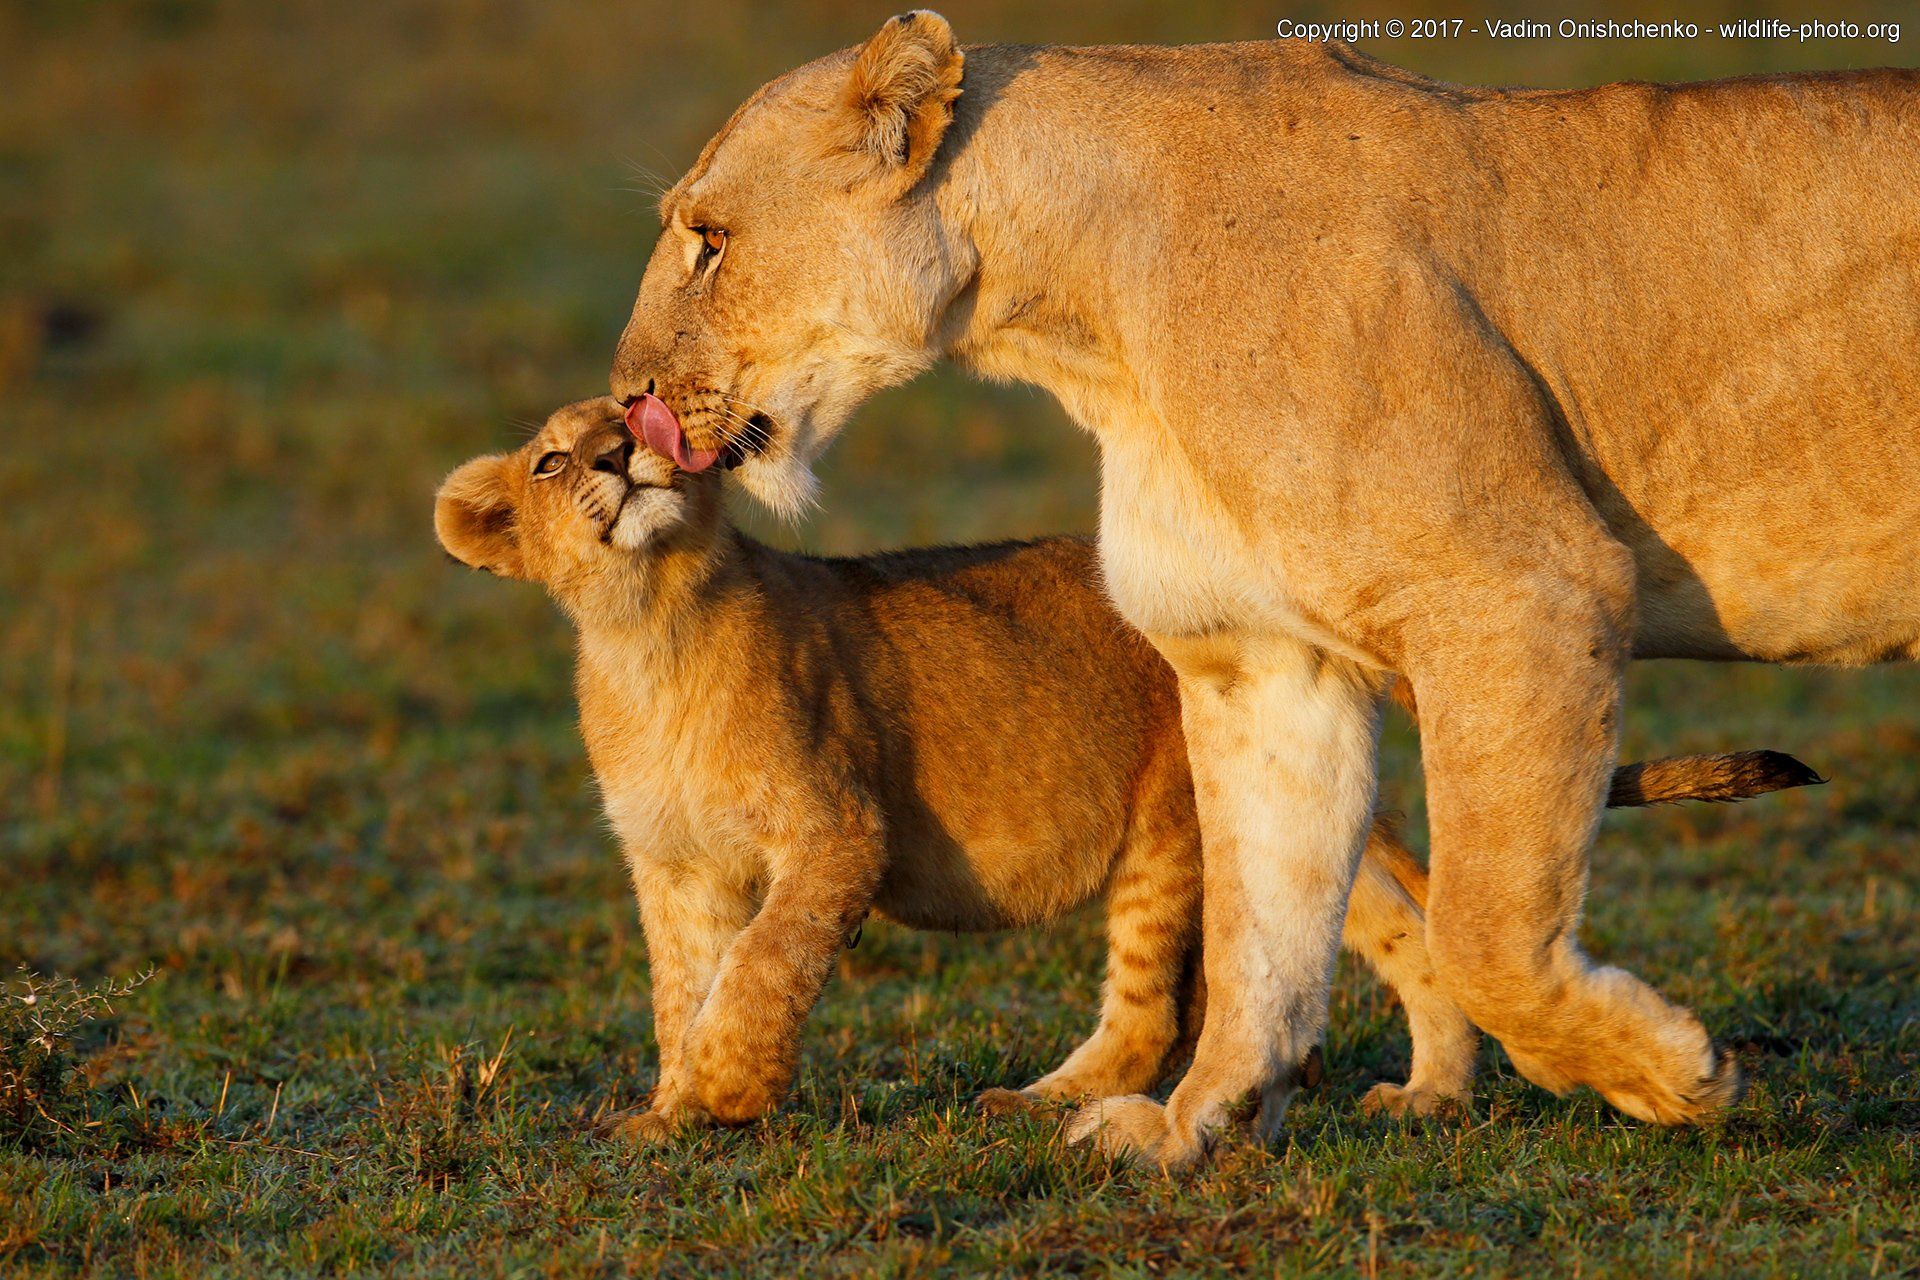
{"points": [[573, 507], [802, 264]]}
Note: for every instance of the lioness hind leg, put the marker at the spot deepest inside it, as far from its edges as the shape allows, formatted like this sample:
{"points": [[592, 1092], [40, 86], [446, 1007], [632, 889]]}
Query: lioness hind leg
{"points": [[1153, 930], [1387, 927], [1517, 729]]}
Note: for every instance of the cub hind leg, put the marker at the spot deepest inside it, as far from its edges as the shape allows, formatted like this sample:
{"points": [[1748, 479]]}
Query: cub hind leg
{"points": [[1153, 936], [1386, 926]]}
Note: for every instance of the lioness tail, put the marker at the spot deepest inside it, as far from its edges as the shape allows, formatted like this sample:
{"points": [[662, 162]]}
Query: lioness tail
{"points": [[1736, 775]]}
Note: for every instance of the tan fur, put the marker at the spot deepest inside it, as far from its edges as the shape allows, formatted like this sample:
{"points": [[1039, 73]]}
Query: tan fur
{"points": [[958, 739], [1490, 389], [961, 738]]}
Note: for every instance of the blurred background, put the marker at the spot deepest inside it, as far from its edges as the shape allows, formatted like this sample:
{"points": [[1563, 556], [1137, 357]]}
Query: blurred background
{"points": [[268, 270]]}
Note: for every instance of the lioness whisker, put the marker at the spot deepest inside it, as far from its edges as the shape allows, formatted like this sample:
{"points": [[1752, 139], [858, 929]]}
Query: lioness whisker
{"points": [[742, 400]]}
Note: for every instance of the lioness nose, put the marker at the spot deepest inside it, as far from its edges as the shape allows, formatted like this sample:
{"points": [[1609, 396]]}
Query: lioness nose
{"points": [[614, 457], [630, 387]]}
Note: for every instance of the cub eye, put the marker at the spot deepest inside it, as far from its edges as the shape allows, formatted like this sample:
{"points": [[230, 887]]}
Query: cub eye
{"points": [[550, 464]]}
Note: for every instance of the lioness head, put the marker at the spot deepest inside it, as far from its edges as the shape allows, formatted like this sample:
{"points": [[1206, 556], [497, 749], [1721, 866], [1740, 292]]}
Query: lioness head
{"points": [[801, 264], [577, 506]]}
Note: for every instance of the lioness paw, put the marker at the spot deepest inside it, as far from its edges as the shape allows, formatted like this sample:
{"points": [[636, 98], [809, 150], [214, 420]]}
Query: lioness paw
{"points": [[1702, 1100], [1541, 1071], [1678, 1078]]}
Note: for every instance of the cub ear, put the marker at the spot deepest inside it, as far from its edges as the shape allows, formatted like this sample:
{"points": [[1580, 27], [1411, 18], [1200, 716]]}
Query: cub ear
{"points": [[899, 97], [475, 518]]}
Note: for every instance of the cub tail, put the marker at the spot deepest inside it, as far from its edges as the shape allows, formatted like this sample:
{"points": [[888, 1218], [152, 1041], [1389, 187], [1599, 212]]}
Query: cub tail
{"points": [[1736, 775]]}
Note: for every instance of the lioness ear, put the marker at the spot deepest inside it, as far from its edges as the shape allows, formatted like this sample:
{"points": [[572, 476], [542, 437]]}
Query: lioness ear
{"points": [[899, 98], [474, 517]]}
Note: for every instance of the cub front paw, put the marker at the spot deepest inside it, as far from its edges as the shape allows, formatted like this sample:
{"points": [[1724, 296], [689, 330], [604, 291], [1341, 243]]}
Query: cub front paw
{"points": [[646, 1128], [733, 1100], [736, 1082], [1135, 1129]]}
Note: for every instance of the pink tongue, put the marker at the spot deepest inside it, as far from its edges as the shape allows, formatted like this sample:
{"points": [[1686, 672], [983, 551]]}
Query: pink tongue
{"points": [[649, 419]]}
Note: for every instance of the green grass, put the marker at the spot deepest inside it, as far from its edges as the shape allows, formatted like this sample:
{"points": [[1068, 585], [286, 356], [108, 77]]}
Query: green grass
{"points": [[265, 279]]}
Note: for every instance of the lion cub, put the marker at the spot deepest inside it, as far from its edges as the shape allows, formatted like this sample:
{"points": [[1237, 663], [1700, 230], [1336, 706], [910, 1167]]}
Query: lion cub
{"points": [[961, 739]]}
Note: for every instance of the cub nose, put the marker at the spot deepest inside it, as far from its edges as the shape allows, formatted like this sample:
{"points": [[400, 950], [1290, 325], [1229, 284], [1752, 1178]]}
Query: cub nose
{"points": [[613, 459]]}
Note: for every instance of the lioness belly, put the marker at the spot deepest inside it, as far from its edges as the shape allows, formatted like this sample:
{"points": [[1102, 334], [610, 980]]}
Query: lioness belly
{"points": [[1774, 509], [1801, 596], [1740, 371]]}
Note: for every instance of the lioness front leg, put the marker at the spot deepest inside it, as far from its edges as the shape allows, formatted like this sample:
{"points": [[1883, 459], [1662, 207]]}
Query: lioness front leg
{"points": [[1281, 737], [1517, 729], [742, 1048]]}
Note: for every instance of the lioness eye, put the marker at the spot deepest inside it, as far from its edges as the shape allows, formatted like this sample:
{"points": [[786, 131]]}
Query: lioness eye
{"points": [[714, 241], [550, 464]]}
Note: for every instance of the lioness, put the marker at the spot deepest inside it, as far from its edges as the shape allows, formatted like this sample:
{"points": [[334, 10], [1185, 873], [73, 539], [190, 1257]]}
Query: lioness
{"points": [[1490, 389], [961, 738]]}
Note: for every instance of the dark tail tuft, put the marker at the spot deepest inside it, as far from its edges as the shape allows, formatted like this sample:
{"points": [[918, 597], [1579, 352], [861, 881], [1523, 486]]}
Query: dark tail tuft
{"points": [[1738, 775]]}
